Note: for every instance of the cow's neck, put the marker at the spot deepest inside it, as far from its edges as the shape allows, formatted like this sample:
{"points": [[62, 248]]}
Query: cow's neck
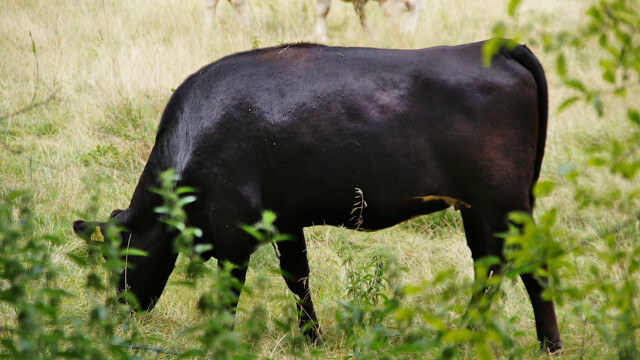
{"points": [[144, 201]]}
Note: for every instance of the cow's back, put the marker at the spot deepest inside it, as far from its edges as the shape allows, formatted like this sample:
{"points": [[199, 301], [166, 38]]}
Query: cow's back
{"points": [[302, 128]]}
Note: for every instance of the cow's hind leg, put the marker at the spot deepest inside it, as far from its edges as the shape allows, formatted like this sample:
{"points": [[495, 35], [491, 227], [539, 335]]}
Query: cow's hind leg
{"points": [[545, 314], [480, 233], [295, 271]]}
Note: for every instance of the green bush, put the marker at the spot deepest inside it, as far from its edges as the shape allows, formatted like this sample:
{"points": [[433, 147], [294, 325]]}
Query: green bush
{"points": [[379, 316]]}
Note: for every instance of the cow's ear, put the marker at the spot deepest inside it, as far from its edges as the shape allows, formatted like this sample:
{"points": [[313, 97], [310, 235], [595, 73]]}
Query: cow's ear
{"points": [[115, 213], [89, 231], [79, 226], [119, 217]]}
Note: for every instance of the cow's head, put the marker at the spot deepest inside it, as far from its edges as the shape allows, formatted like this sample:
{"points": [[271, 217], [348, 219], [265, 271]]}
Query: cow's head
{"points": [[403, 12], [144, 276]]}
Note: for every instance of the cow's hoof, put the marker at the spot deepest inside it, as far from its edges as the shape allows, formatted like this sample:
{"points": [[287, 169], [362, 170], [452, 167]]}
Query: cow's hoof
{"points": [[314, 335], [551, 345]]}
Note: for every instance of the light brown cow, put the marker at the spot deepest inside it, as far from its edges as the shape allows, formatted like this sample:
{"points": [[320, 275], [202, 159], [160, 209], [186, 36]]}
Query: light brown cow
{"points": [[210, 11], [405, 12]]}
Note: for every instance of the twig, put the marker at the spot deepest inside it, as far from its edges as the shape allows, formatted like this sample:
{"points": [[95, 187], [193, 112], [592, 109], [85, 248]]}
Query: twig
{"points": [[584, 330], [278, 344], [358, 209], [281, 51], [35, 55], [147, 348], [32, 106], [24, 110]]}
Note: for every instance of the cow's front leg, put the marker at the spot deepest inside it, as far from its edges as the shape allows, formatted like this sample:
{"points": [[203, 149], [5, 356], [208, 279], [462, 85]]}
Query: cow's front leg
{"points": [[360, 8], [322, 10], [239, 273], [210, 13], [295, 270], [231, 246]]}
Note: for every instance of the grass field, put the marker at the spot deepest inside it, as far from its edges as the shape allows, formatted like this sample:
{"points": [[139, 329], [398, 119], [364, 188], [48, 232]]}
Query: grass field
{"points": [[93, 77]]}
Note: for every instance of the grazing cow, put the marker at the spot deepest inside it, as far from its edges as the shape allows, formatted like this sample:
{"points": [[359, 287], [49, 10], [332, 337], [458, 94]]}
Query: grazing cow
{"points": [[405, 12], [210, 11], [308, 130]]}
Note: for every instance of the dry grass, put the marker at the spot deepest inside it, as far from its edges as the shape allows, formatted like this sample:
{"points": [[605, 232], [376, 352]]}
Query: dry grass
{"points": [[115, 63]]}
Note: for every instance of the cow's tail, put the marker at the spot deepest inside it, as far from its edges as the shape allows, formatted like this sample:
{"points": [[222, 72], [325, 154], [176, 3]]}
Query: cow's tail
{"points": [[526, 58]]}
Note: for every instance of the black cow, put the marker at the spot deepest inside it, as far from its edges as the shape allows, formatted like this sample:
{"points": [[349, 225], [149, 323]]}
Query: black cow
{"points": [[308, 130]]}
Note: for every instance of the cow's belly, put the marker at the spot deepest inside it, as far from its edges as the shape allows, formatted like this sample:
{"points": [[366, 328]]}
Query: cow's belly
{"points": [[377, 219], [375, 215]]}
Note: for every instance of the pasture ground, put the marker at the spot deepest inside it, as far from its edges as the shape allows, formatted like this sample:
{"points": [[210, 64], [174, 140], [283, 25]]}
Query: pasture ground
{"points": [[112, 65]]}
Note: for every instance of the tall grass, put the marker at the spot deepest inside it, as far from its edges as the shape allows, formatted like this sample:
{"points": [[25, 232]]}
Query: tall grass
{"points": [[111, 66]]}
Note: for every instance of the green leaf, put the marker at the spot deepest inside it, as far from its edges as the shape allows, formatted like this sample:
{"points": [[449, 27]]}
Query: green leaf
{"points": [[603, 41], [576, 84], [185, 189], [606, 64], [411, 289], [543, 188], [252, 231], [567, 102], [457, 336], [491, 47], [615, 52], [162, 210], [129, 298], [561, 65], [635, 64], [57, 293], [624, 38], [609, 76], [488, 261], [482, 351], [594, 13], [268, 217], [634, 116], [114, 264], [200, 248], [192, 353], [281, 237], [597, 161], [197, 232], [567, 171], [621, 91], [513, 5], [186, 200], [79, 260], [519, 217], [598, 105], [132, 252]]}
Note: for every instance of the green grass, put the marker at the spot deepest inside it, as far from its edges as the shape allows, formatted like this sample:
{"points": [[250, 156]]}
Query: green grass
{"points": [[113, 64]]}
